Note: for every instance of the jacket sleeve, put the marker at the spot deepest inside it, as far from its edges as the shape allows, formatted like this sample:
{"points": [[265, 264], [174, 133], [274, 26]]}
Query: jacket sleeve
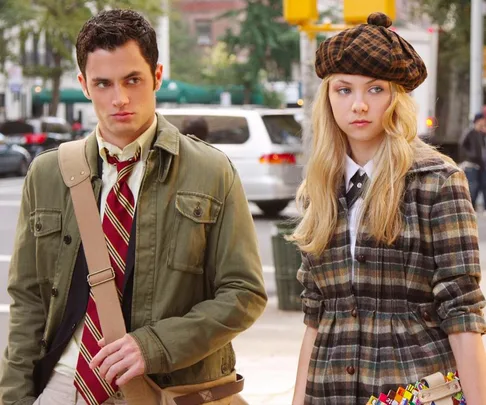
{"points": [[27, 319], [239, 294], [311, 296], [456, 252], [467, 152]]}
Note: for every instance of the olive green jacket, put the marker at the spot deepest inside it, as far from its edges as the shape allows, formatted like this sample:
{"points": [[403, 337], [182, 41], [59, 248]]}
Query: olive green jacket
{"points": [[183, 332]]}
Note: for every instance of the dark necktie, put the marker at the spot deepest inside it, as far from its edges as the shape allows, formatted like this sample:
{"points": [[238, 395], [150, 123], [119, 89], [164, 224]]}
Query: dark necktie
{"points": [[358, 183], [117, 224]]}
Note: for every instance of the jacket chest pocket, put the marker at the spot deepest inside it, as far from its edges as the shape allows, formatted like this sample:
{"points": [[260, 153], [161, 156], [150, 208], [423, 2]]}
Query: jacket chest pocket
{"points": [[195, 214], [46, 226]]}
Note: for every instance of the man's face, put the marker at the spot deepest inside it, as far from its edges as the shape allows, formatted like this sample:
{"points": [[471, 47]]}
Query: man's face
{"points": [[121, 86], [480, 125]]}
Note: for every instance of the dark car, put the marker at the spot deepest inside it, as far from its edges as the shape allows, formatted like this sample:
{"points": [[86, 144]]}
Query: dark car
{"points": [[14, 159], [37, 135]]}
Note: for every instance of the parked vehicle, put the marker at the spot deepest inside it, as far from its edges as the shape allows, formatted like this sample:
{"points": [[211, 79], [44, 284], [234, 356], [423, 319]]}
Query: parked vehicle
{"points": [[263, 144], [37, 135], [14, 159]]}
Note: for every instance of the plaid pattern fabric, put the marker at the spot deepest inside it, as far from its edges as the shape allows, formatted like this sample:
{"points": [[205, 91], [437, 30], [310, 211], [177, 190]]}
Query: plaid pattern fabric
{"points": [[391, 326], [371, 50]]}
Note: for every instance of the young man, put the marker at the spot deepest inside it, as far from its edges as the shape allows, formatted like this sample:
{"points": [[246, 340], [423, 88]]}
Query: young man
{"points": [[473, 150], [187, 250]]}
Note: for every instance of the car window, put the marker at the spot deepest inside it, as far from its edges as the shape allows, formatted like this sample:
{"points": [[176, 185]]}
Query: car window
{"points": [[221, 129], [283, 129]]}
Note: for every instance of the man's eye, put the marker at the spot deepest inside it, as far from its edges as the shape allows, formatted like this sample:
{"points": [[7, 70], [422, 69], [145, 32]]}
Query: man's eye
{"points": [[101, 85], [134, 80]]}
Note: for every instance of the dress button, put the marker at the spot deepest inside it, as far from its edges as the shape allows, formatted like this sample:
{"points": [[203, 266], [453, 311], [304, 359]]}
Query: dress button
{"points": [[68, 239], [54, 292], [354, 312], [426, 316], [350, 370], [361, 258], [38, 226]]}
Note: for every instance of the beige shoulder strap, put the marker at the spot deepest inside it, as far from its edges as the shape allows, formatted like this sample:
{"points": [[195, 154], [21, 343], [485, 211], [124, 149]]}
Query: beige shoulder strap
{"points": [[77, 176], [439, 391]]}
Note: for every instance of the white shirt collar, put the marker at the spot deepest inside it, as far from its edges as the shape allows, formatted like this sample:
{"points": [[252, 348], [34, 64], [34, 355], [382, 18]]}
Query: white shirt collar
{"points": [[352, 167], [143, 142]]}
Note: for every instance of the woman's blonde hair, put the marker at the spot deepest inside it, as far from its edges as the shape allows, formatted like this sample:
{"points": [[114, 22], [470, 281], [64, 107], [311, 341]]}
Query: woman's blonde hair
{"points": [[317, 197]]}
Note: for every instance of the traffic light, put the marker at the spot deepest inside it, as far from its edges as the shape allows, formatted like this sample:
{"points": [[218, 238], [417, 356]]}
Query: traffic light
{"points": [[300, 11], [357, 11]]}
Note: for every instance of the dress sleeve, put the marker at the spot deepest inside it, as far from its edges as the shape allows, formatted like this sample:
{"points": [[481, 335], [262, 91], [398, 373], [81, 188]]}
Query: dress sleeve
{"points": [[457, 275], [311, 296]]}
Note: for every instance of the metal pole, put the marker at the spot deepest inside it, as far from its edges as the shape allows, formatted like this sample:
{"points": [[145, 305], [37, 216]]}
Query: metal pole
{"points": [[476, 69], [164, 39], [310, 82]]}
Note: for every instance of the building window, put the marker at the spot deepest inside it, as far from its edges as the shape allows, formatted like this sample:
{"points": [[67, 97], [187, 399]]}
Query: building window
{"points": [[204, 32]]}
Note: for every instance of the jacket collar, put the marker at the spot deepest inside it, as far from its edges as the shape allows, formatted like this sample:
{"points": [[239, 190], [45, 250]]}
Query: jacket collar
{"points": [[166, 138]]}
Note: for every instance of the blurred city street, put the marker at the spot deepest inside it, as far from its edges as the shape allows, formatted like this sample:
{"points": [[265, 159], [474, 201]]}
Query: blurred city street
{"points": [[267, 353]]}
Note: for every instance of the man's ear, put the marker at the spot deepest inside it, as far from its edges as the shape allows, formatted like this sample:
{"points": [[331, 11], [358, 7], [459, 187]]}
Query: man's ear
{"points": [[84, 85], [158, 76]]}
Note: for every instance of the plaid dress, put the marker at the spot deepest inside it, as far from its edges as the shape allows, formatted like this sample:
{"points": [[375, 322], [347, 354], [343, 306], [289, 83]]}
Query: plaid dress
{"points": [[390, 326]]}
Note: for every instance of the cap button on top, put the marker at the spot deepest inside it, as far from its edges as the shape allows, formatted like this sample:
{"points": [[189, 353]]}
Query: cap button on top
{"points": [[380, 20]]}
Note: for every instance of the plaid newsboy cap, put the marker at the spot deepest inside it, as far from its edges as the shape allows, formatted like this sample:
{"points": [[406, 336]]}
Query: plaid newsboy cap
{"points": [[372, 50]]}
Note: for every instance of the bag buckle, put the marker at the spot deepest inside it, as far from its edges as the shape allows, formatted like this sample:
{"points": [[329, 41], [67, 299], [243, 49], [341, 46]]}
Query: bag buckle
{"points": [[99, 277]]}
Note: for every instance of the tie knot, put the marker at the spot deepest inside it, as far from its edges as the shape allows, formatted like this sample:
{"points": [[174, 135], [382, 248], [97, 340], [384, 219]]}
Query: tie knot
{"points": [[125, 164]]}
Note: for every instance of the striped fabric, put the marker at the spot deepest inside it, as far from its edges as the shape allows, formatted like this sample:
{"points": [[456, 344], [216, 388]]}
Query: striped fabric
{"points": [[390, 326], [117, 224]]}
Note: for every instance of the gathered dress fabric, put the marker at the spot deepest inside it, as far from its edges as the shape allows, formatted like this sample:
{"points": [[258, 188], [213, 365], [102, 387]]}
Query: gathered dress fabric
{"points": [[388, 325]]}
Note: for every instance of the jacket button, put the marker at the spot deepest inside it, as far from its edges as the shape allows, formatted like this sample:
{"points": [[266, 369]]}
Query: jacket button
{"points": [[354, 312], [38, 226], [54, 292], [426, 316], [68, 239], [361, 258], [198, 212], [350, 370], [43, 343]]}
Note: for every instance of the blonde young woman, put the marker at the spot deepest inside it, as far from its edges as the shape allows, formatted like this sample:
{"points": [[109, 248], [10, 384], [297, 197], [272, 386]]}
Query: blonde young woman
{"points": [[389, 239]]}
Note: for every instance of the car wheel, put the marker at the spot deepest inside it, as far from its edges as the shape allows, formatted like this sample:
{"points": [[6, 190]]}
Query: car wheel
{"points": [[23, 168], [272, 208]]}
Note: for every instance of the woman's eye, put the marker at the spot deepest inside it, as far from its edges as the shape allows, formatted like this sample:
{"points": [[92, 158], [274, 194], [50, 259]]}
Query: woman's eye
{"points": [[344, 90], [376, 89]]}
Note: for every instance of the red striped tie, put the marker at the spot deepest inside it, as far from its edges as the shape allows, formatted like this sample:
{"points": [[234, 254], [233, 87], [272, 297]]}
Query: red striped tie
{"points": [[117, 224]]}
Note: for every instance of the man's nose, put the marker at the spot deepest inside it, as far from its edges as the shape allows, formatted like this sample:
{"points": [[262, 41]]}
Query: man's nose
{"points": [[120, 97]]}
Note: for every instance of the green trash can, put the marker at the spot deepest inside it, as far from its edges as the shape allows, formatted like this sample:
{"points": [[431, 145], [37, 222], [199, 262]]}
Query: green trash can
{"points": [[287, 260]]}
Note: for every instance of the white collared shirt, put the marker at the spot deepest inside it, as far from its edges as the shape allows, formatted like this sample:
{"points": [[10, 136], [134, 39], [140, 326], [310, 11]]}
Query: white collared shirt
{"points": [[354, 212], [69, 359]]}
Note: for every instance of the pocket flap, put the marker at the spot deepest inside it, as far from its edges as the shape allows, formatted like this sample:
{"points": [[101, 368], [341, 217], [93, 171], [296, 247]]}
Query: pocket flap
{"points": [[200, 208], [45, 222]]}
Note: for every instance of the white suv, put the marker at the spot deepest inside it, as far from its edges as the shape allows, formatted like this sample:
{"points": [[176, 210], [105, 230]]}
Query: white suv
{"points": [[264, 145]]}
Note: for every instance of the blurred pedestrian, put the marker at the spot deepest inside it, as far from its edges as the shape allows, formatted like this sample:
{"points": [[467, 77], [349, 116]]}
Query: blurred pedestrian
{"points": [[195, 125], [181, 242], [473, 154], [390, 258]]}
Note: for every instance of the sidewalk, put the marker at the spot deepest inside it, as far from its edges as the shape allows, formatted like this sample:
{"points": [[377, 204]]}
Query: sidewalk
{"points": [[267, 355]]}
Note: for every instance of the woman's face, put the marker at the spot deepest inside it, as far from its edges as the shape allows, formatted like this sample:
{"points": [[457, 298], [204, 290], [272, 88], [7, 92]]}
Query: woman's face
{"points": [[358, 104]]}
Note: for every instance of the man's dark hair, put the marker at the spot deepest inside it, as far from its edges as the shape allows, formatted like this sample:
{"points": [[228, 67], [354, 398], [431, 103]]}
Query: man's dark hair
{"points": [[114, 28], [197, 126]]}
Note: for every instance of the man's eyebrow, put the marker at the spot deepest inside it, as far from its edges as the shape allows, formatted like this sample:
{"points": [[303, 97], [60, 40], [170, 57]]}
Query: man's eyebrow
{"points": [[128, 76]]}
